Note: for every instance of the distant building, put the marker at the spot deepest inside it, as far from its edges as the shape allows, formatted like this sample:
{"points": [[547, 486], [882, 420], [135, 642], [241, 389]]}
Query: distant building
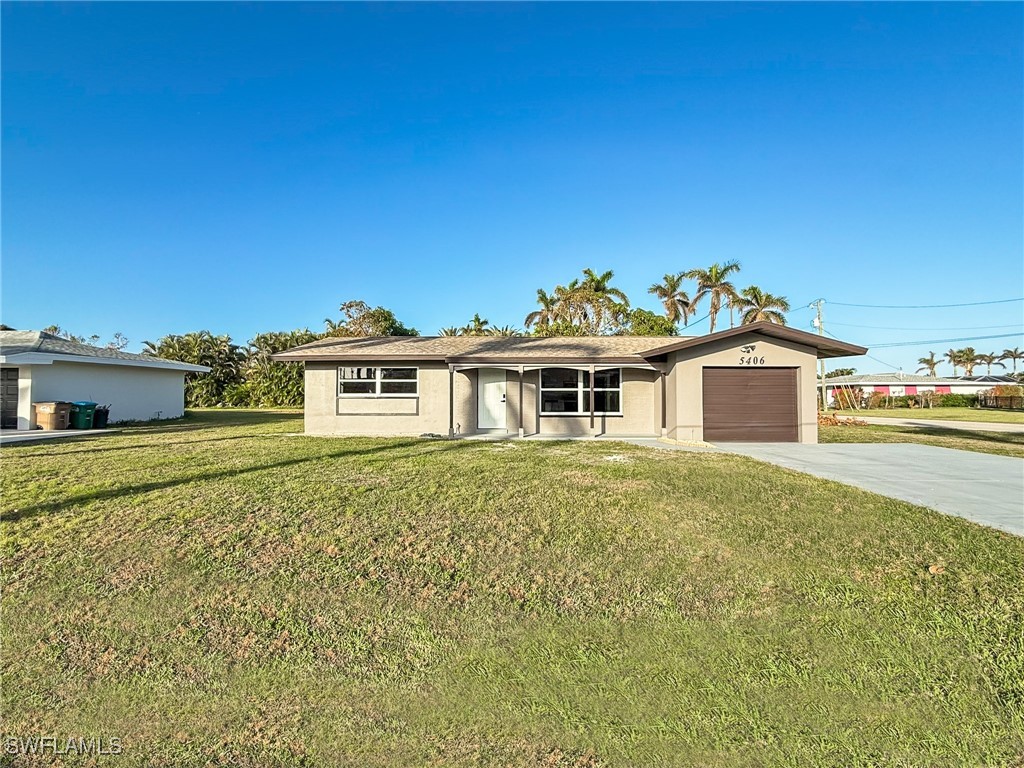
{"points": [[899, 384]]}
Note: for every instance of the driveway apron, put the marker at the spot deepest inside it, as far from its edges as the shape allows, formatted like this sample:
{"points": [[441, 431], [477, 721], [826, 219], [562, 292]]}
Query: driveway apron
{"points": [[980, 487]]}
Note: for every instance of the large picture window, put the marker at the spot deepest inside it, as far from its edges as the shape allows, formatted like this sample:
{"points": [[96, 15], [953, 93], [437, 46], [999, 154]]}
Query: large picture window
{"points": [[565, 392], [378, 382]]}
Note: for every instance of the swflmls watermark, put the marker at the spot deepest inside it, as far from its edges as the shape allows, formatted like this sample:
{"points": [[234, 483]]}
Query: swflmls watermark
{"points": [[62, 745]]}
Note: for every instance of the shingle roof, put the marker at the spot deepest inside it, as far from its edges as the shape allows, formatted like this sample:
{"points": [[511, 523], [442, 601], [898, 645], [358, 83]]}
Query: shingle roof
{"points": [[890, 378], [455, 349], [43, 343], [474, 347]]}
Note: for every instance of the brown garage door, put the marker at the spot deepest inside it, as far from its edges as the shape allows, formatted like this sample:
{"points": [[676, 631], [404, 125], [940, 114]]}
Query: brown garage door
{"points": [[750, 405]]}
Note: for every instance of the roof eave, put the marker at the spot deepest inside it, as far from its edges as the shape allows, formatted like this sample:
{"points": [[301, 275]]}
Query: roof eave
{"points": [[826, 348], [48, 358]]}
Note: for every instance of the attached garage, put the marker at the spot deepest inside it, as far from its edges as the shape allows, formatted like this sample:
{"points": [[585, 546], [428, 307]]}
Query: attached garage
{"points": [[753, 383], [751, 405]]}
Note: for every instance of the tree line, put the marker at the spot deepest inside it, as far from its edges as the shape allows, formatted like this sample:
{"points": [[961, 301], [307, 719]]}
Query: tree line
{"points": [[968, 359]]}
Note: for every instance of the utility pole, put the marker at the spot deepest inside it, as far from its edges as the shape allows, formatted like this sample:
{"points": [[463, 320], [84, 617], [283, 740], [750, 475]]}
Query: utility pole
{"points": [[818, 323]]}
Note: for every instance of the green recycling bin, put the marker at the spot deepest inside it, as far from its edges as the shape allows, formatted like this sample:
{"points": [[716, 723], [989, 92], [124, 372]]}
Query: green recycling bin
{"points": [[82, 412]]}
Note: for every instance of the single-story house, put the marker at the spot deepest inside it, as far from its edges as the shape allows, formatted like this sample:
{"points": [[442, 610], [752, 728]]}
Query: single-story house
{"points": [[36, 366], [751, 383], [900, 384]]}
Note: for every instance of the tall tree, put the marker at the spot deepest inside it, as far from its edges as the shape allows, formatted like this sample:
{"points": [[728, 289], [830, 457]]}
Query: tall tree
{"points": [[451, 330], [587, 307], [224, 358], [952, 357], [988, 360], [503, 330], [929, 364], [643, 322], [605, 306], [714, 283], [359, 319], [541, 319], [1013, 355], [675, 300], [267, 383], [757, 306], [968, 359], [476, 327]]}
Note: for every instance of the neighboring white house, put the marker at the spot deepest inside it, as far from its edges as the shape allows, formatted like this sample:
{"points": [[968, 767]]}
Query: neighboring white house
{"points": [[900, 384], [36, 366]]}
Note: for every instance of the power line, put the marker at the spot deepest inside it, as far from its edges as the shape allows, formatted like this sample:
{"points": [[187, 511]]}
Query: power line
{"points": [[890, 366], [924, 306], [944, 341], [955, 328]]}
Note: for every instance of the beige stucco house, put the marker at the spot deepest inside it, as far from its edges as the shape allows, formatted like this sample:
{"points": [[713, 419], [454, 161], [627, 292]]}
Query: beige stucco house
{"points": [[752, 383]]}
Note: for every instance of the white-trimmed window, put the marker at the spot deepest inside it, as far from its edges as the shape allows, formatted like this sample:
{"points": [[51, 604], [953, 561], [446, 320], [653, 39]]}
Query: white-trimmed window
{"points": [[378, 382], [566, 392]]}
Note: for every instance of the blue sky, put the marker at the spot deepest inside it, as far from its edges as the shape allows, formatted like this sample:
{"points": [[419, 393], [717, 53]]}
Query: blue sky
{"points": [[243, 168]]}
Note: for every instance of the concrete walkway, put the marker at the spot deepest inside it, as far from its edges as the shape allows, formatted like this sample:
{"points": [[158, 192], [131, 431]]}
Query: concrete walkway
{"points": [[971, 426], [980, 487], [33, 435]]}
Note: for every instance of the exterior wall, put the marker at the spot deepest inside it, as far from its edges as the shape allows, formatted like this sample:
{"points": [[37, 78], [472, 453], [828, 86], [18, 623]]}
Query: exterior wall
{"points": [[133, 392], [686, 381], [327, 414], [641, 410]]}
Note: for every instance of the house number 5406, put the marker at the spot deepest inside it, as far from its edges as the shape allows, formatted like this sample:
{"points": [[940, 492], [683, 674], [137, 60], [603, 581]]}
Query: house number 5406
{"points": [[752, 360]]}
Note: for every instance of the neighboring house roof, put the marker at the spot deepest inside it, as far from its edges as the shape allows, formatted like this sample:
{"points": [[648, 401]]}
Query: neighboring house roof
{"points": [[533, 349], [989, 379], [42, 348], [892, 378]]}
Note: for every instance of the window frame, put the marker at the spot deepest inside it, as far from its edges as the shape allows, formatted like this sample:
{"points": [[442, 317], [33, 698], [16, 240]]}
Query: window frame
{"points": [[377, 380], [579, 389]]}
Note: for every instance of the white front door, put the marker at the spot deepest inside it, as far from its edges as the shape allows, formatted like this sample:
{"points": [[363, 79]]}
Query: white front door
{"points": [[491, 391]]}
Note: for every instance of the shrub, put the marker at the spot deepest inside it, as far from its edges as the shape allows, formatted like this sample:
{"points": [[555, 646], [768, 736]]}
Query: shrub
{"points": [[958, 401], [1005, 390]]}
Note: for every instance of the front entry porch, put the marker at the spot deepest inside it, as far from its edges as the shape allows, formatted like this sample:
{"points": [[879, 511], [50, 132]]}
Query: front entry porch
{"points": [[556, 401]]}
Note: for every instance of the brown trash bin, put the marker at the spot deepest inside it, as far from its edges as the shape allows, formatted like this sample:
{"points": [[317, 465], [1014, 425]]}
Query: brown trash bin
{"points": [[53, 415]]}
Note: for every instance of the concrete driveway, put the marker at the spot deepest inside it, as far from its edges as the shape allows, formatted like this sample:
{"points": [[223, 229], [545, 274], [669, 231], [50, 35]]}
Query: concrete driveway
{"points": [[972, 426], [980, 487]]}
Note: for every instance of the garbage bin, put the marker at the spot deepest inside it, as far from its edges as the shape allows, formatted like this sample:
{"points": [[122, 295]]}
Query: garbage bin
{"points": [[99, 419], [82, 412], [52, 415]]}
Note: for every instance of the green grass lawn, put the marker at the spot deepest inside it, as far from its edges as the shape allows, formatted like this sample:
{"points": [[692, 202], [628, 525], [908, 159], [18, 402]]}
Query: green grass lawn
{"points": [[223, 592], [989, 415], [1001, 443]]}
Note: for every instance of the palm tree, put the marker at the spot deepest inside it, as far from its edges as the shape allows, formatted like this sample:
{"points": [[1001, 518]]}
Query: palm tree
{"points": [[952, 356], [544, 317], [1012, 355], [503, 330], [968, 359], [604, 306], [757, 306], [476, 327], [676, 301], [451, 330], [988, 361], [713, 282], [929, 364]]}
